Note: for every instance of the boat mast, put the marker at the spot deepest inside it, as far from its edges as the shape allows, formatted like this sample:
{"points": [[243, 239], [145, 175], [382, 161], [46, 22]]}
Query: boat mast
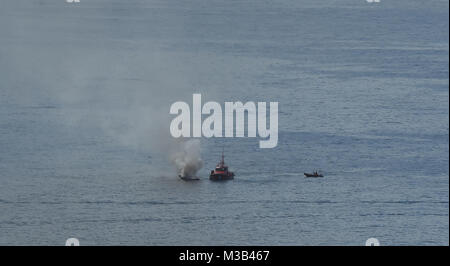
{"points": [[223, 158]]}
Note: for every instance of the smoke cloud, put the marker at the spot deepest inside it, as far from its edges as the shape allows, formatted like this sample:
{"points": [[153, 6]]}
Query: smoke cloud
{"points": [[187, 159], [105, 69]]}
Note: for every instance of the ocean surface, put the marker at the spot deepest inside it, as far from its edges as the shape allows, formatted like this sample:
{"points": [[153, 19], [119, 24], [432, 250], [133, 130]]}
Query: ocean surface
{"points": [[85, 91]]}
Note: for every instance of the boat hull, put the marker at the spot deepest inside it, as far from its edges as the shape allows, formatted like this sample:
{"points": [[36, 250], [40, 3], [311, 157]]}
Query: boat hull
{"points": [[188, 178], [312, 175], [221, 177]]}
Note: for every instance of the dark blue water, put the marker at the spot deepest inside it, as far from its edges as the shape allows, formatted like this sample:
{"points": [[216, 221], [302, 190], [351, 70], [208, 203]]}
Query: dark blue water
{"points": [[85, 92]]}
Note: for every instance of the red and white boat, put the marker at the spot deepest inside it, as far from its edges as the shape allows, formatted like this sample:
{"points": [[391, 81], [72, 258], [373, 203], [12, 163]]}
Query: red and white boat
{"points": [[221, 173]]}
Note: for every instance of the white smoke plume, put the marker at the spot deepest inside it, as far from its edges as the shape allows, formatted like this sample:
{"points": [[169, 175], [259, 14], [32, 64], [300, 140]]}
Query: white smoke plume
{"points": [[187, 159], [122, 88]]}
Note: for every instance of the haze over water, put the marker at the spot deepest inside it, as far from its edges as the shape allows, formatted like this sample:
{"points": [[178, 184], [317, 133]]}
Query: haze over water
{"points": [[85, 92]]}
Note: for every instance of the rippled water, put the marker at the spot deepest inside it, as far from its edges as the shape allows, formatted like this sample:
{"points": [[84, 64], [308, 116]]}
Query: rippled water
{"points": [[363, 95]]}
